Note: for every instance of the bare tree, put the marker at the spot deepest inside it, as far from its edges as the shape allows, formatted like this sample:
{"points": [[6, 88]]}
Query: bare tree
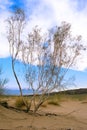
{"points": [[47, 58], [54, 54], [14, 35], [15, 29]]}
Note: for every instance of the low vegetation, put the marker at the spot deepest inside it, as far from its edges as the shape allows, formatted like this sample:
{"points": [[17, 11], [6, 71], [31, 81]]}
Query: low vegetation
{"points": [[44, 104], [4, 103], [3, 82], [53, 102], [54, 99], [19, 103]]}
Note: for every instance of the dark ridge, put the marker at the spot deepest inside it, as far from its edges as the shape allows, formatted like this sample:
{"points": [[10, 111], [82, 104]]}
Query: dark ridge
{"points": [[72, 92]]}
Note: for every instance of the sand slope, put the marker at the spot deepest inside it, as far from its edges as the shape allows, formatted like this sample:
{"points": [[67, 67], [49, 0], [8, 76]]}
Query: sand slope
{"points": [[70, 115]]}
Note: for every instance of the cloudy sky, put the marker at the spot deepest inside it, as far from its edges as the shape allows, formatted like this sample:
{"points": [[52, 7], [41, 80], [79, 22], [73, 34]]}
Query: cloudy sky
{"points": [[46, 14]]}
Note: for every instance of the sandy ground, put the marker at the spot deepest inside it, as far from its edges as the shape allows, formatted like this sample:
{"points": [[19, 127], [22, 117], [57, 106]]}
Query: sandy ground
{"points": [[70, 115]]}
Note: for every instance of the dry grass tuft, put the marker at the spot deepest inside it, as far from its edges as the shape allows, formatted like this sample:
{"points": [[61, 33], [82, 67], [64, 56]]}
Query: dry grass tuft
{"points": [[53, 102], [44, 104], [19, 103]]}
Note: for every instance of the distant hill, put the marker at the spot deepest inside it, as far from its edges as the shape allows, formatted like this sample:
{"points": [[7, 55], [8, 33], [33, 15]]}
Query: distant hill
{"points": [[72, 92], [30, 92], [77, 91]]}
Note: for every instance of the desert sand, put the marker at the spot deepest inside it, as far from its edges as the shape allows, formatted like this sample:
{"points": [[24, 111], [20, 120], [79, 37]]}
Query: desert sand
{"points": [[70, 115]]}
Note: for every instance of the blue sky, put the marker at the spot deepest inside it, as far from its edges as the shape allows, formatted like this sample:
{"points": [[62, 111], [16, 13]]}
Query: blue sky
{"points": [[46, 14], [80, 77]]}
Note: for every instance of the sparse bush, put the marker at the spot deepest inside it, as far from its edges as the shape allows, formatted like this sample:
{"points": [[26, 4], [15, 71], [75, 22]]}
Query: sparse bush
{"points": [[4, 103], [53, 102], [1, 90], [3, 82], [44, 104], [19, 102]]}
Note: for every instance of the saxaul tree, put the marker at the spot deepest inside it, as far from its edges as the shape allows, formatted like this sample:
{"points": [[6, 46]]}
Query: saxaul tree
{"points": [[54, 54], [15, 28], [47, 57], [14, 35]]}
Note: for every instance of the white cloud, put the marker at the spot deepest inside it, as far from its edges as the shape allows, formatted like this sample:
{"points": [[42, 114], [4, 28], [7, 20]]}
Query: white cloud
{"points": [[48, 13], [4, 48], [4, 14]]}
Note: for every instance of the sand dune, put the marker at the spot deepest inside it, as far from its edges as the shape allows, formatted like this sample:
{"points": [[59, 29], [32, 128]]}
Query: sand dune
{"points": [[70, 115]]}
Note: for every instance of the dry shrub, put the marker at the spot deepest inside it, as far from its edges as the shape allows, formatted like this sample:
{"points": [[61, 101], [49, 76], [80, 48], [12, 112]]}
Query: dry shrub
{"points": [[44, 104], [19, 102], [4, 103], [53, 102]]}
